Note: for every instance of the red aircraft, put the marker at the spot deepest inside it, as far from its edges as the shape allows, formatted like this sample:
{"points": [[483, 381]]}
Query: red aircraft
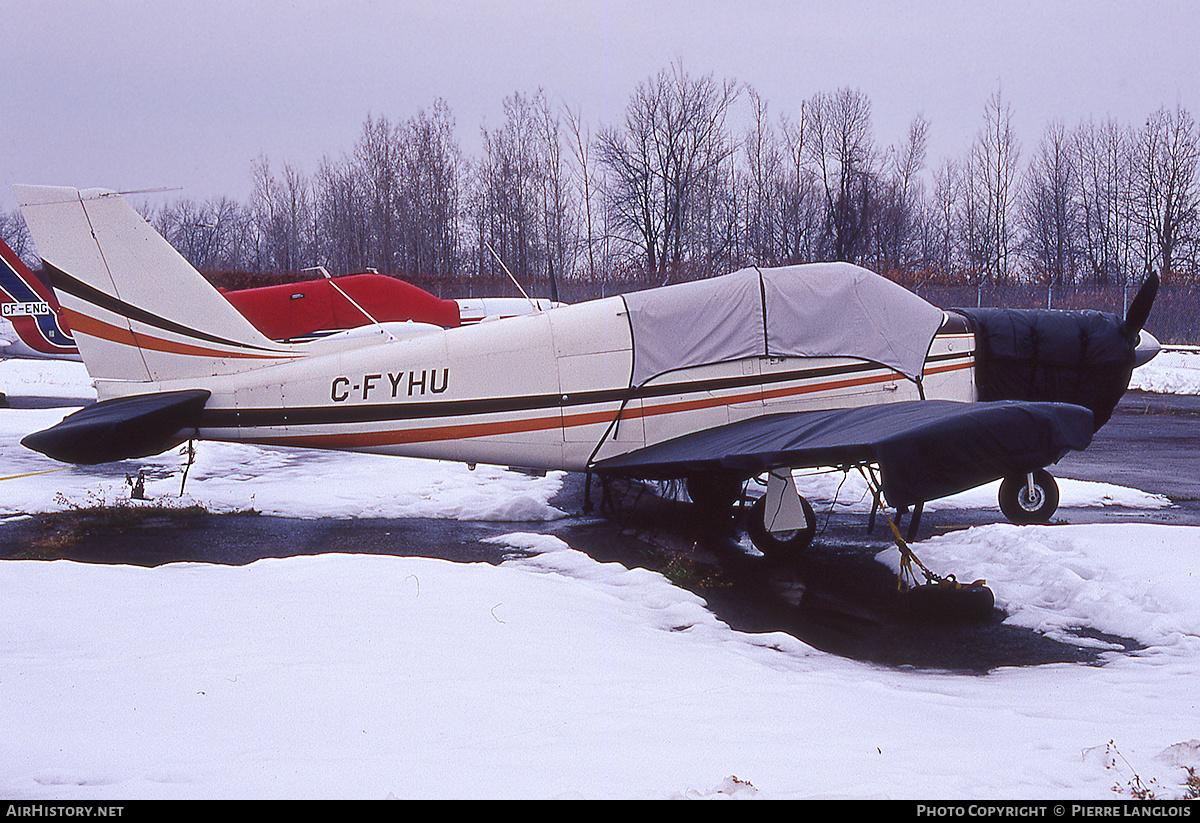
{"points": [[288, 311]]}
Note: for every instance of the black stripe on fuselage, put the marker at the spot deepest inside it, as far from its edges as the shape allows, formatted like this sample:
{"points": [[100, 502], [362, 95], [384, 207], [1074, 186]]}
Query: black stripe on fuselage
{"points": [[379, 412]]}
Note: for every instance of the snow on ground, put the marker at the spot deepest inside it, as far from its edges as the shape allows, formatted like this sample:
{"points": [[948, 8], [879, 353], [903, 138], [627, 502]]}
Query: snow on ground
{"points": [[1174, 371], [342, 676], [45, 378], [347, 676]]}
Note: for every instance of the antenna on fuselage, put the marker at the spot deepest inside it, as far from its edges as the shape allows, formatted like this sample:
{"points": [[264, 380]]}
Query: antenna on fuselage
{"points": [[325, 273], [532, 302]]}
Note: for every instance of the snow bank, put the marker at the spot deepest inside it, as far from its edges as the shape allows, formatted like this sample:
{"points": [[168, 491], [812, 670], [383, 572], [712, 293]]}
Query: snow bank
{"points": [[1136, 581], [1174, 371], [346, 676], [284, 482]]}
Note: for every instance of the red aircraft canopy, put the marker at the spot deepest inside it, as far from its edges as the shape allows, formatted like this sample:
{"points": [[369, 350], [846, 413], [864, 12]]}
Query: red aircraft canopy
{"points": [[294, 310]]}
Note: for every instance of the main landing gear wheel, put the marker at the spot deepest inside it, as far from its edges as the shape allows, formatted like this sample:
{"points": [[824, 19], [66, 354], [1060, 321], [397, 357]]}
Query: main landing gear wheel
{"points": [[781, 543], [1029, 498]]}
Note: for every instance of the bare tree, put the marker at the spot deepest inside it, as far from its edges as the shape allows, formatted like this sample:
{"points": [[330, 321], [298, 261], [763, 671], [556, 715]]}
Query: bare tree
{"points": [[519, 197], [428, 194], [343, 233], [841, 146], [15, 234], [394, 202], [282, 219], [212, 236], [633, 194], [1166, 199], [505, 219], [1103, 157], [800, 201], [897, 225], [764, 187], [974, 236], [947, 188], [555, 210], [1049, 210], [994, 164], [668, 155], [376, 163], [581, 143]]}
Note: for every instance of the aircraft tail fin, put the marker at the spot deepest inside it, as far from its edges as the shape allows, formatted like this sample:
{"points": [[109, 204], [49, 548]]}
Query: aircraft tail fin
{"points": [[139, 312], [32, 310]]}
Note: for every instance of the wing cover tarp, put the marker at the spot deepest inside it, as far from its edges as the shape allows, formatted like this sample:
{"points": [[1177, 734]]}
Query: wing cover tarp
{"points": [[924, 449], [811, 310]]}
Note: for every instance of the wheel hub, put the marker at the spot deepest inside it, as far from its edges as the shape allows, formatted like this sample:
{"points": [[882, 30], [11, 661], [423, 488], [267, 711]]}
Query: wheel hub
{"points": [[1031, 499]]}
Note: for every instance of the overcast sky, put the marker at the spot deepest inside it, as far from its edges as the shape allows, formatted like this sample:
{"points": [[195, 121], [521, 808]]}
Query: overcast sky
{"points": [[145, 95]]}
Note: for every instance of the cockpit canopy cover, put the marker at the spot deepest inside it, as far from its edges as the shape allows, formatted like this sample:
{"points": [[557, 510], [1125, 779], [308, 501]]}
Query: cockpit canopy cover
{"points": [[811, 310]]}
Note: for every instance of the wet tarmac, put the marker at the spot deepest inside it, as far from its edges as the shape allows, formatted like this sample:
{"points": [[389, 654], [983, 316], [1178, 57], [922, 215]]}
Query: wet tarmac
{"points": [[835, 596], [1151, 443]]}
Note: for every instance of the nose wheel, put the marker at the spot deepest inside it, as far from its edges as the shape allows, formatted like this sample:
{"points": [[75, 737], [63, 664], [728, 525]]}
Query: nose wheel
{"points": [[1031, 498]]}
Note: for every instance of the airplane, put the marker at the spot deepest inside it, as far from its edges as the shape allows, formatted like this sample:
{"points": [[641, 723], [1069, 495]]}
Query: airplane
{"points": [[713, 382], [287, 311], [325, 305], [31, 310]]}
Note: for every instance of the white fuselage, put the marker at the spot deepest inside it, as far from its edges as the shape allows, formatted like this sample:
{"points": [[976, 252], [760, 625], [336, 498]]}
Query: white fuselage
{"points": [[547, 390]]}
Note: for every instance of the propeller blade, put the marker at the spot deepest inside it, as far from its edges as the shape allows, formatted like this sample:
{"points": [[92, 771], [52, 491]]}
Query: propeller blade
{"points": [[1139, 309]]}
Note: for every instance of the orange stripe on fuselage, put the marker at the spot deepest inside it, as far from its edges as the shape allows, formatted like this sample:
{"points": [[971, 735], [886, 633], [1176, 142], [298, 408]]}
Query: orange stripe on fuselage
{"points": [[466, 431], [951, 367]]}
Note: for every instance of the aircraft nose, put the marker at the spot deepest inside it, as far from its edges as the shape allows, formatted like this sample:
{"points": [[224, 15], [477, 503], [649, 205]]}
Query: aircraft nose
{"points": [[1147, 347]]}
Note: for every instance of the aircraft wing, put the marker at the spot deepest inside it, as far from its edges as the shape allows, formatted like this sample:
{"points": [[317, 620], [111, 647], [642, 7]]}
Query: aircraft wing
{"points": [[925, 449]]}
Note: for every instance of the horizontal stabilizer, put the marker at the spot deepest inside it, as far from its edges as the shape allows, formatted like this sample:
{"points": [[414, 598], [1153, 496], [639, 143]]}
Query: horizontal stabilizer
{"points": [[925, 449], [122, 428]]}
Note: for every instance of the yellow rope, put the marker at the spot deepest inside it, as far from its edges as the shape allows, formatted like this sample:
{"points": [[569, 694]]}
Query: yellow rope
{"points": [[31, 474], [907, 558]]}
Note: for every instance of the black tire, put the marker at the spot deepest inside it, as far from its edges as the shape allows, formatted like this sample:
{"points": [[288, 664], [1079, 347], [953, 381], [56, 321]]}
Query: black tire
{"points": [[779, 544], [1021, 507]]}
